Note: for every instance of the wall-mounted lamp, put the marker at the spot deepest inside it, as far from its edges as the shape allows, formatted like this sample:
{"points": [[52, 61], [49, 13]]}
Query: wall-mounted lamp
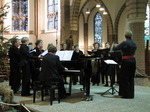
{"points": [[88, 11]]}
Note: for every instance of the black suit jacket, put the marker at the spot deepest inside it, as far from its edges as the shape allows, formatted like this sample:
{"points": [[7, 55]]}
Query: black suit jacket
{"points": [[37, 62], [14, 56], [25, 56], [51, 68]]}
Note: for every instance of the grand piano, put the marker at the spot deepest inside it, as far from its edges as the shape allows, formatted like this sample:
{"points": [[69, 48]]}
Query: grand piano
{"points": [[85, 63]]}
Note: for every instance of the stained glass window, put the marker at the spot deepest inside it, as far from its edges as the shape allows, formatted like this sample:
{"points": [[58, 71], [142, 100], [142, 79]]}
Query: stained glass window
{"points": [[19, 15], [98, 28], [147, 30], [52, 14]]}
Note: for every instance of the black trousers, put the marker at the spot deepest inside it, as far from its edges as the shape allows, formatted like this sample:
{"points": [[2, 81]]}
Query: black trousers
{"points": [[15, 78], [25, 80], [126, 78]]}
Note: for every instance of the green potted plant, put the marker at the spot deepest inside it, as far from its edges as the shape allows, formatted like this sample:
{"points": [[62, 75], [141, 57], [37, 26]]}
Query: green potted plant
{"points": [[4, 42]]}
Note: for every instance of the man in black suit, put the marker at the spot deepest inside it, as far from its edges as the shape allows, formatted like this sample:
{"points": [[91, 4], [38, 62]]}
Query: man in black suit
{"points": [[25, 58], [14, 55], [51, 68]]}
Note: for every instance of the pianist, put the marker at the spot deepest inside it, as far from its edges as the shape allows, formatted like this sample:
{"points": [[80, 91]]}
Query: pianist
{"points": [[51, 68]]}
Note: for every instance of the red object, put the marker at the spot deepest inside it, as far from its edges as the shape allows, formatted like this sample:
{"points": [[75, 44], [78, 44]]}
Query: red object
{"points": [[127, 57]]}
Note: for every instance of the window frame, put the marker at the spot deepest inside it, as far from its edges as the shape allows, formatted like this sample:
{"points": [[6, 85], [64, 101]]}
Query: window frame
{"points": [[20, 32], [53, 14], [148, 19], [102, 29]]}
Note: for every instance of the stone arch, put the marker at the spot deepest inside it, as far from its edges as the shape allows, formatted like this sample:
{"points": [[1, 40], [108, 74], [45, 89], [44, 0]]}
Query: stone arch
{"points": [[108, 18], [117, 22]]}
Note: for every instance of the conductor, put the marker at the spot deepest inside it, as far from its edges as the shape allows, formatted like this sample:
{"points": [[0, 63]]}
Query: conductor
{"points": [[128, 66]]}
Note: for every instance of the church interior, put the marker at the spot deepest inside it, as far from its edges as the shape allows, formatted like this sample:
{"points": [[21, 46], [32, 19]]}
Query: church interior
{"points": [[82, 23]]}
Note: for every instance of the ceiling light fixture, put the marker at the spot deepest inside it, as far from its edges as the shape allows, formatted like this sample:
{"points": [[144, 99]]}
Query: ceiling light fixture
{"points": [[105, 13], [88, 11], [98, 5], [101, 9]]}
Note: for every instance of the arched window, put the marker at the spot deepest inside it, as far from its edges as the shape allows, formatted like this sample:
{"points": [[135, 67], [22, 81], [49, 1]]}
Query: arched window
{"points": [[147, 23], [52, 14], [98, 28], [19, 15]]}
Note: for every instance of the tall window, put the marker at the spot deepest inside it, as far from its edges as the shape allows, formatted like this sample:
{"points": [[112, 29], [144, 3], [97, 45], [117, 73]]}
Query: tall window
{"points": [[19, 15], [98, 28], [52, 14], [147, 23]]}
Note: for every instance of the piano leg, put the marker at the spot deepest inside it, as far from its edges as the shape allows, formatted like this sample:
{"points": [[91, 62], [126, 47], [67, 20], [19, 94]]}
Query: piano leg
{"points": [[70, 85], [88, 72]]}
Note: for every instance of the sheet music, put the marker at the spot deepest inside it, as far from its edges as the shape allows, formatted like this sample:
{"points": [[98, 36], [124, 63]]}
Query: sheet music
{"points": [[110, 62], [67, 55], [64, 55], [34, 50], [60, 54], [44, 53]]}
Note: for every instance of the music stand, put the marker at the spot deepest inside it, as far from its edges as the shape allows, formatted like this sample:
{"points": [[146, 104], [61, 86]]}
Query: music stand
{"points": [[111, 62]]}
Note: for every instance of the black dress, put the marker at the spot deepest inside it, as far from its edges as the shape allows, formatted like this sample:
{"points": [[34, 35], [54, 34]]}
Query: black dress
{"points": [[128, 66], [95, 78], [15, 75], [78, 65], [35, 65], [25, 58]]}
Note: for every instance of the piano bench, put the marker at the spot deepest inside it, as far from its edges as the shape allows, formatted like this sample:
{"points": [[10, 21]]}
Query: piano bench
{"points": [[40, 86]]}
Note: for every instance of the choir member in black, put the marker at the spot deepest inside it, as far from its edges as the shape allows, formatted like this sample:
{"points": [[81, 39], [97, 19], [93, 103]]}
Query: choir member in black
{"points": [[106, 70], [37, 62], [128, 66], [31, 51], [78, 62], [51, 68], [64, 47], [30, 45], [25, 57], [14, 55], [95, 79]]}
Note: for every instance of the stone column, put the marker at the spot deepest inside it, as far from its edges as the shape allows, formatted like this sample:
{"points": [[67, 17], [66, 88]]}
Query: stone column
{"points": [[136, 17], [65, 19], [37, 18]]}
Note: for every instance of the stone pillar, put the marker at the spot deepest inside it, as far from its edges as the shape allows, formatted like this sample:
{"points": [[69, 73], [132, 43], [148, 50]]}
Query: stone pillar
{"points": [[37, 18], [74, 20], [136, 18], [65, 19]]}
